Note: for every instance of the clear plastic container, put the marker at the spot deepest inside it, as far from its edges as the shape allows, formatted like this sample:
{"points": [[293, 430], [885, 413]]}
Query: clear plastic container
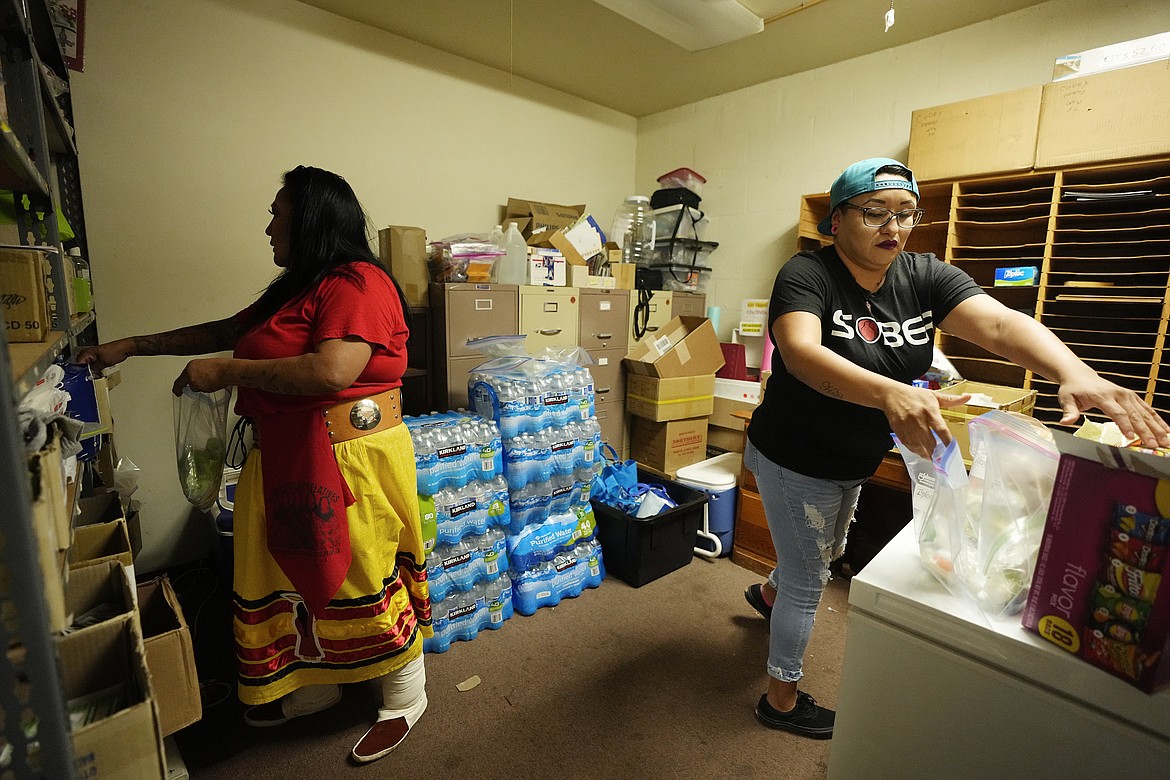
{"points": [[679, 221], [682, 251], [684, 278], [634, 230]]}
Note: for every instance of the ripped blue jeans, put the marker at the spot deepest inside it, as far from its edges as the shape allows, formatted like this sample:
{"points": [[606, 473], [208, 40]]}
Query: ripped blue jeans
{"points": [[809, 519]]}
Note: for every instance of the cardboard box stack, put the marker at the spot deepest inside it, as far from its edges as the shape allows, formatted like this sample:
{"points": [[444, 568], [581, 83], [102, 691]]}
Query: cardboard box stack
{"points": [[126, 654], [670, 392], [565, 243]]}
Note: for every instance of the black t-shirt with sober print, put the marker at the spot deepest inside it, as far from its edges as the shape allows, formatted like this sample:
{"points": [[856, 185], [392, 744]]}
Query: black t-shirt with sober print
{"points": [[889, 332]]}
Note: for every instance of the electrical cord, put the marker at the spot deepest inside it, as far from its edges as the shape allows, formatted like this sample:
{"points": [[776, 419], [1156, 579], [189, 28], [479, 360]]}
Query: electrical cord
{"points": [[237, 447], [642, 313]]}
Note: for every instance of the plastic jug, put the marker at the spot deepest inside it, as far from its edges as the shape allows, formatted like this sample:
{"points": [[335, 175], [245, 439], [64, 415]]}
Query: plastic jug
{"points": [[634, 230], [515, 264]]}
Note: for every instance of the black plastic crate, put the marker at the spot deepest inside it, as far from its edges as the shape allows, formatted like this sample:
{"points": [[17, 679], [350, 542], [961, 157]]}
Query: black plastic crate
{"points": [[641, 551]]}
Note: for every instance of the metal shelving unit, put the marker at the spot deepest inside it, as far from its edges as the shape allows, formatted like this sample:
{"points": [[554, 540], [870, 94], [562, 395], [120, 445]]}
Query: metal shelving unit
{"points": [[35, 133]]}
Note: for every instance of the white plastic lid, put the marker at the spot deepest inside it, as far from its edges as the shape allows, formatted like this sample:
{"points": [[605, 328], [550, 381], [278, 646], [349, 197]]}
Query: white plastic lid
{"points": [[718, 473]]}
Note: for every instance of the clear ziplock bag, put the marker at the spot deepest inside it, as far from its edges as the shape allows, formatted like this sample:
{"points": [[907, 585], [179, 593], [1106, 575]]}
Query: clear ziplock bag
{"points": [[201, 443], [979, 533]]}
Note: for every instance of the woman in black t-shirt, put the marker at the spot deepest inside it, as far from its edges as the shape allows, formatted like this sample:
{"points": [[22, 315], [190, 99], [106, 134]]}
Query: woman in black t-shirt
{"points": [[853, 325]]}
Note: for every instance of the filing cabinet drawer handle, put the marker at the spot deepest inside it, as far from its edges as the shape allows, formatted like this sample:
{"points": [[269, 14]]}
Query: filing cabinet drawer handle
{"points": [[603, 390], [549, 331], [605, 336], [651, 328]]}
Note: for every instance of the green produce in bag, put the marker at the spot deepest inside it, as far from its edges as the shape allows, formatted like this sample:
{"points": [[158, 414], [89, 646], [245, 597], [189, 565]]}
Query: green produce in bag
{"points": [[201, 443]]}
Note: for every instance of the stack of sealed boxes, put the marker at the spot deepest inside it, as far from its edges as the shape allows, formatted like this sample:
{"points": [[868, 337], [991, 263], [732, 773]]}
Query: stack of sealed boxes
{"points": [[670, 394]]}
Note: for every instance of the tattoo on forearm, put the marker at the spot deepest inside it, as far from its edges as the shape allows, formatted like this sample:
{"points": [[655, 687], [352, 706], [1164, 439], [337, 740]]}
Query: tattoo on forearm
{"points": [[193, 340], [830, 389], [173, 343], [270, 381]]}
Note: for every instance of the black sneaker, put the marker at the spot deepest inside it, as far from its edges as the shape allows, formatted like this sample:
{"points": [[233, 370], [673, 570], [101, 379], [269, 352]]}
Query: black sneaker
{"points": [[807, 718], [755, 596]]}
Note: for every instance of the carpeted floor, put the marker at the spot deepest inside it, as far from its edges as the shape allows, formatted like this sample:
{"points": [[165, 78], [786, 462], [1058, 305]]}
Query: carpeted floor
{"points": [[651, 682]]}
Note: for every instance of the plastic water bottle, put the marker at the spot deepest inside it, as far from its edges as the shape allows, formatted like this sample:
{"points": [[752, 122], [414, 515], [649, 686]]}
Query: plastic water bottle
{"points": [[437, 580], [441, 641], [634, 230], [584, 384], [494, 546], [515, 261], [561, 443], [530, 505], [564, 490], [496, 237]]}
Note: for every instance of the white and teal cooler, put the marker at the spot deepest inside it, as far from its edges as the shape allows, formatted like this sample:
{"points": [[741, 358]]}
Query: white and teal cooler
{"points": [[718, 477]]}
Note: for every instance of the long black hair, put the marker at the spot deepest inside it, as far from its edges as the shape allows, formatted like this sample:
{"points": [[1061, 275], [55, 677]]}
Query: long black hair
{"points": [[327, 232]]}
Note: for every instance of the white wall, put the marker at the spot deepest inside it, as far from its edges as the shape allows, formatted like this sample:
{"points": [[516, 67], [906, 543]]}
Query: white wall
{"points": [[763, 147], [188, 112]]}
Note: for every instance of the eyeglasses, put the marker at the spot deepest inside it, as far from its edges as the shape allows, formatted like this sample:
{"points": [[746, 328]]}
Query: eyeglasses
{"points": [[878, 217]]}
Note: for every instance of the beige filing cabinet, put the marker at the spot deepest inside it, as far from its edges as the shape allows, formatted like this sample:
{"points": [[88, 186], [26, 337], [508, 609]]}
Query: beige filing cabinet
{"points": [[604, 320], [548, 316], [687, 304], [657, 313], [461, 312]]}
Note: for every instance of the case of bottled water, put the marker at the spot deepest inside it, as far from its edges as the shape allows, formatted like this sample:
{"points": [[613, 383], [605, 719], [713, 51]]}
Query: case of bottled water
{"points": [[454, 448], [566, 575]]}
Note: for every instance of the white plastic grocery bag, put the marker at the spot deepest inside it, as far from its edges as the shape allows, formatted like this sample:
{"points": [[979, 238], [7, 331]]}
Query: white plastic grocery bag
{"points": [[201, 443]]}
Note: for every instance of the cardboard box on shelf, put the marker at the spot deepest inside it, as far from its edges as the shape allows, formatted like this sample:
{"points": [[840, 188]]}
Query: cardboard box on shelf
{"points": [[535, 218], [732, 395], [992, 134], [48, 515], [1114, 115], [101, 542], [98, 593], [1111, 609], [579, 242], [687, 346], [624, 274], [104, 507], [170, 655], [1118, 55], [674, 398], [580, 277], [115, 729], [1009, 399], [404, 251], [56, 485], [668, 446], [22, 287]]}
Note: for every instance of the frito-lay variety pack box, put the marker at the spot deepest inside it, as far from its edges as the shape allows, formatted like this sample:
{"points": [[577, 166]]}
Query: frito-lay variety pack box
{"points": [[1100, 586]]}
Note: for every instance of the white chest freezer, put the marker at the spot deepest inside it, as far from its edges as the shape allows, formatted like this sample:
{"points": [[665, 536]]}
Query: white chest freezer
{"points": [[933, 688]]}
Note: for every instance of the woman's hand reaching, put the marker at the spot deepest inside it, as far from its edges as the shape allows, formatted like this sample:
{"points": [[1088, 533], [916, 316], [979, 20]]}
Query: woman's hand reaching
{"points": [[915, 417]]}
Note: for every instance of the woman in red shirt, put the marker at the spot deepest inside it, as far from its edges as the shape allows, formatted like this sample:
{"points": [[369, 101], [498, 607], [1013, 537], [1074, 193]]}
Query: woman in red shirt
{"points": [[330, 575]]}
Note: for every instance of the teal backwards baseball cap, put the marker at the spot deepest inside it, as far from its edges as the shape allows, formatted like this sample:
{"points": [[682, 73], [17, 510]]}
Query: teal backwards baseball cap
{"points": [[859, 178]]}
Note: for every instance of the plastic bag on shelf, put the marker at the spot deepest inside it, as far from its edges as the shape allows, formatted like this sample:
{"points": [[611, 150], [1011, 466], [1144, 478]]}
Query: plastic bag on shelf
{"points": [[47, 397]]}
